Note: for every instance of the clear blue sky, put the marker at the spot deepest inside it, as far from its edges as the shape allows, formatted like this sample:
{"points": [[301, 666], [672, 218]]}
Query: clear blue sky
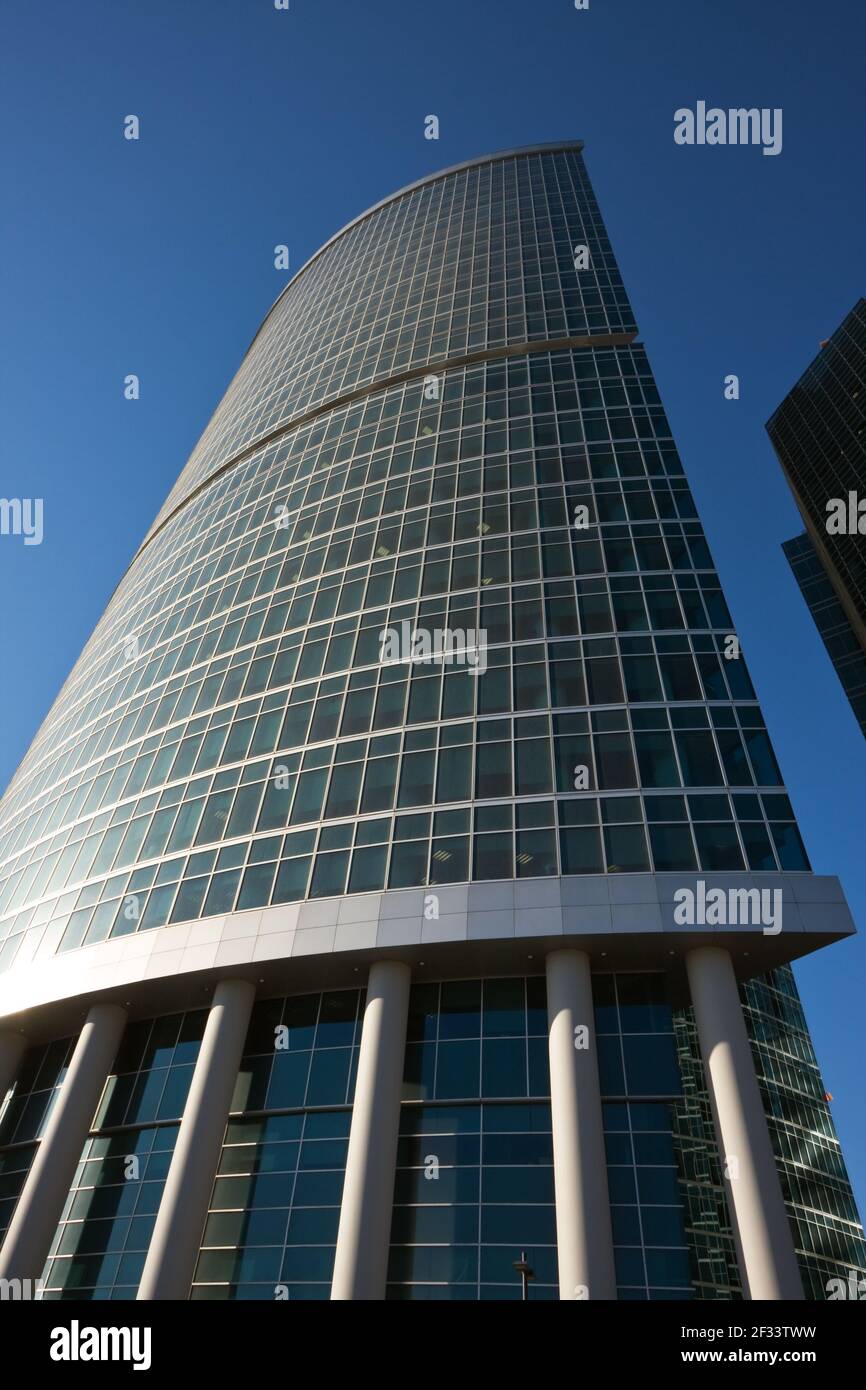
{"points": [[261, 127]]}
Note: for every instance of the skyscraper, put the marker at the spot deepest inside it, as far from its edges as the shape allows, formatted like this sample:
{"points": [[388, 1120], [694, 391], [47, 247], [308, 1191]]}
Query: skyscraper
{"points": [[408, 836], [831, 620], [819, 434]]}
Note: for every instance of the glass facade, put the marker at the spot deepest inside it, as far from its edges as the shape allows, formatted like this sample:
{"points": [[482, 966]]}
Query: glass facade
{"points": [[99, 1248], [442, 423], [828, 1233], [100, 1245], [474, 1180], [233, 690], [24, 1113], [846, 653], [474, 1184], [272, 1226], [819, 434], [605, 649]]}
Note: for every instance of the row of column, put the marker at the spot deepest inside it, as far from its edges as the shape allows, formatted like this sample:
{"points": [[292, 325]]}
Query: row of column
{"points": [[767, 1260]]}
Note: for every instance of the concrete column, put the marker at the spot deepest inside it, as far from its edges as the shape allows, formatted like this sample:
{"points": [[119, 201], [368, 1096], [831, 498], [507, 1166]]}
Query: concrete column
{"points": [[40, 1205], [12, 1049], [176, 1240], [768, 1264], [361, 1263], [583, 1230]]}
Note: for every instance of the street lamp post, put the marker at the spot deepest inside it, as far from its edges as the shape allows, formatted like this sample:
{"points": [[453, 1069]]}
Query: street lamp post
{"points": [[526, 1273]]}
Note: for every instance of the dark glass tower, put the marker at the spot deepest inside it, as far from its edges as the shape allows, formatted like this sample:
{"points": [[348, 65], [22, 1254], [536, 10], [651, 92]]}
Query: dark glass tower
{"points": [[819, 434], [444, 422], [831, 620]]}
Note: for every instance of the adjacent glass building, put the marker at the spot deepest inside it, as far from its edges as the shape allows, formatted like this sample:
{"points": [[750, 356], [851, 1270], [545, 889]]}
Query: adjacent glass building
{"points": [[819, 434], [837, 633], [325, 975]]}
